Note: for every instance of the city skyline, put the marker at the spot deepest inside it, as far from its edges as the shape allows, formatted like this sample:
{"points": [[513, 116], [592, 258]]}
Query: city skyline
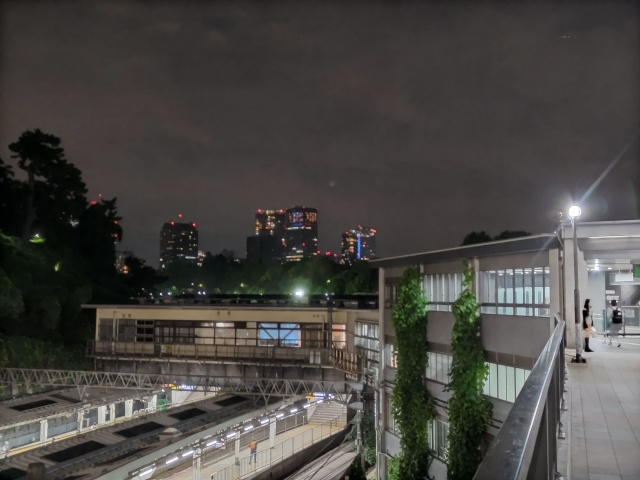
{"points": [[268, 222], [425, 120]]}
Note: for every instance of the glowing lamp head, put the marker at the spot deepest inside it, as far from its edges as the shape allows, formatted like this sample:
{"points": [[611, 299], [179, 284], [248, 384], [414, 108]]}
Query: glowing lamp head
{"points": [[574, 212], [299, 293]]}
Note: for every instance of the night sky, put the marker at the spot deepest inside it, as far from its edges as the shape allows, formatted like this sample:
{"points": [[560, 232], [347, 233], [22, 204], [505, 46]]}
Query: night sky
{"points": [[422, 120]]}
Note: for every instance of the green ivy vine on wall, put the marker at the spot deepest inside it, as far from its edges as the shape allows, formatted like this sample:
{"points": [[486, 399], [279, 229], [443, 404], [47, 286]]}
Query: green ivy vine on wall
{"points": [[469, 411], [412, 405]]}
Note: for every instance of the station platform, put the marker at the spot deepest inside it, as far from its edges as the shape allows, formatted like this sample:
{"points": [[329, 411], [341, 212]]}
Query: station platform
{"points": [[268, 454], [604, 407]]}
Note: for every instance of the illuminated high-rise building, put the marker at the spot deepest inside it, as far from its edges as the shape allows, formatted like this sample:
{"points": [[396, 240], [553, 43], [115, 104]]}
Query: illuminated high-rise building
{"points": [[121, 265], [178, 242], [301, 233], [266, 246], [358, 244], [270, 222], [201, 256]]}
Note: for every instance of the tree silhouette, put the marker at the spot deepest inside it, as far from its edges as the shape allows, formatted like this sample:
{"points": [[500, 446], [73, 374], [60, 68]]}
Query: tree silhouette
{"points": [[54, 189], [474, 237]]}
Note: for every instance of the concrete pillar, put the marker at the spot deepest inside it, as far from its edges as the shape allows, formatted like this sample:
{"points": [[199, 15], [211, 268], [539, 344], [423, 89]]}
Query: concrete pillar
{"points": [[238, 450], [112, 412], [80, 421], [128, 408], [102, 414], [197, 464], [153, 401], [44, 430], [272, 433]]}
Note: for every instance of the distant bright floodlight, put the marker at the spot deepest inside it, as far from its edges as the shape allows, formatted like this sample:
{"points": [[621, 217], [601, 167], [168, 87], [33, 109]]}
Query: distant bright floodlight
{"points": [[299, 293], [574, 211]]}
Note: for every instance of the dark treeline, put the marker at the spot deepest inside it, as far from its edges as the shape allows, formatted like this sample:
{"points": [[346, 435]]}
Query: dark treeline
{"points": [[315, 275], [58, 251], [474, 237]]}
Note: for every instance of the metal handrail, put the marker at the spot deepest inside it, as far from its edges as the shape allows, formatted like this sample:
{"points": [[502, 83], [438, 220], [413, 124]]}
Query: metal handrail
{"points": [[511, 452]]}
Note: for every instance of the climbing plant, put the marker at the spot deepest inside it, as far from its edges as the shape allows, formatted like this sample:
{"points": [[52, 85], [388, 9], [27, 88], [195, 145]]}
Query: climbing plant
{"points": [[469, 411], [412, 405]]}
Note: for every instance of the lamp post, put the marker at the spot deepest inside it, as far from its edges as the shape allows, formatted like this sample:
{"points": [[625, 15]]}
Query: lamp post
{"points": [[574, 214]]}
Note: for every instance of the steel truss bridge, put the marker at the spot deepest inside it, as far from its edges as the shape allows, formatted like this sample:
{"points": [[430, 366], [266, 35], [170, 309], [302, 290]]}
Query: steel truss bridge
{"points": [[264, 387]]}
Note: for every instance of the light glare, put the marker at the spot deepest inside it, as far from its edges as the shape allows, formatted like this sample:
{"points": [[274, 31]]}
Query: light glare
{"points": [[574, 211]]}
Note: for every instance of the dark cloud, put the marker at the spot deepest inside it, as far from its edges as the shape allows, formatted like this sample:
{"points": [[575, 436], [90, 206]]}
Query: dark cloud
{"points": [[423, 120]]}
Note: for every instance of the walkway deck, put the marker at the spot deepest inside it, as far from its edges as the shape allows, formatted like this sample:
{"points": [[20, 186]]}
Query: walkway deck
{"points": [[604, 406]]}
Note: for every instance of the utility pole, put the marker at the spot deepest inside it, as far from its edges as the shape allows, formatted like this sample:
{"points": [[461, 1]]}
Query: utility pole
{"points": [[359, 407]]}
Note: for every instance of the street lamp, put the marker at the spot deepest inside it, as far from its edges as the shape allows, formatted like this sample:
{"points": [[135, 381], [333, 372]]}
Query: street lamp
{"points": [[574, 214]]}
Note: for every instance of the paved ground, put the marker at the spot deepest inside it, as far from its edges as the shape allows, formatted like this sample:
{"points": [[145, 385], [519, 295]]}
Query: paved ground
{"points": [[604, 405]]}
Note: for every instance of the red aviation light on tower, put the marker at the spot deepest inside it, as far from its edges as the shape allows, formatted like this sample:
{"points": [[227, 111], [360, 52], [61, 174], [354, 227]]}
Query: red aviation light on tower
{"points": [[179, 215], [194, 224], [259, 210], [173, 223]]}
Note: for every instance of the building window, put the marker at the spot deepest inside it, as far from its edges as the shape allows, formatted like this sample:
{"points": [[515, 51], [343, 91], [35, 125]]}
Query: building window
{"points": [[105, 329], [503, 382], [438, 367], [391, 293], [339, 336], [442, 290], [279, 335], [438, 436], [367, 343], [516, 291], [144, 331], [175, 332]]}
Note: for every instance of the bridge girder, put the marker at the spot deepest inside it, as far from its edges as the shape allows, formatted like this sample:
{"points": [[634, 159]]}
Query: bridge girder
{"points": [[264, 387]]}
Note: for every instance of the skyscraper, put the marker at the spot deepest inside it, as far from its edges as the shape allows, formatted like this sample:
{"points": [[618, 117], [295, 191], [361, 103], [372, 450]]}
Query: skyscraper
{"points": [[270, 222], [178, 242], [266, 246], [358, 244], [301, 233]]}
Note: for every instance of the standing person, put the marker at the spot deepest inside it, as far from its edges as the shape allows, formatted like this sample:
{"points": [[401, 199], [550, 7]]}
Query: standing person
{"points": [[615, 321], [587, 323], [253, 447]]}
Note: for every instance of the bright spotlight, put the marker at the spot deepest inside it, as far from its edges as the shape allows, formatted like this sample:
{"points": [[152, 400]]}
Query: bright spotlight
{"points": [[574, 211]]}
